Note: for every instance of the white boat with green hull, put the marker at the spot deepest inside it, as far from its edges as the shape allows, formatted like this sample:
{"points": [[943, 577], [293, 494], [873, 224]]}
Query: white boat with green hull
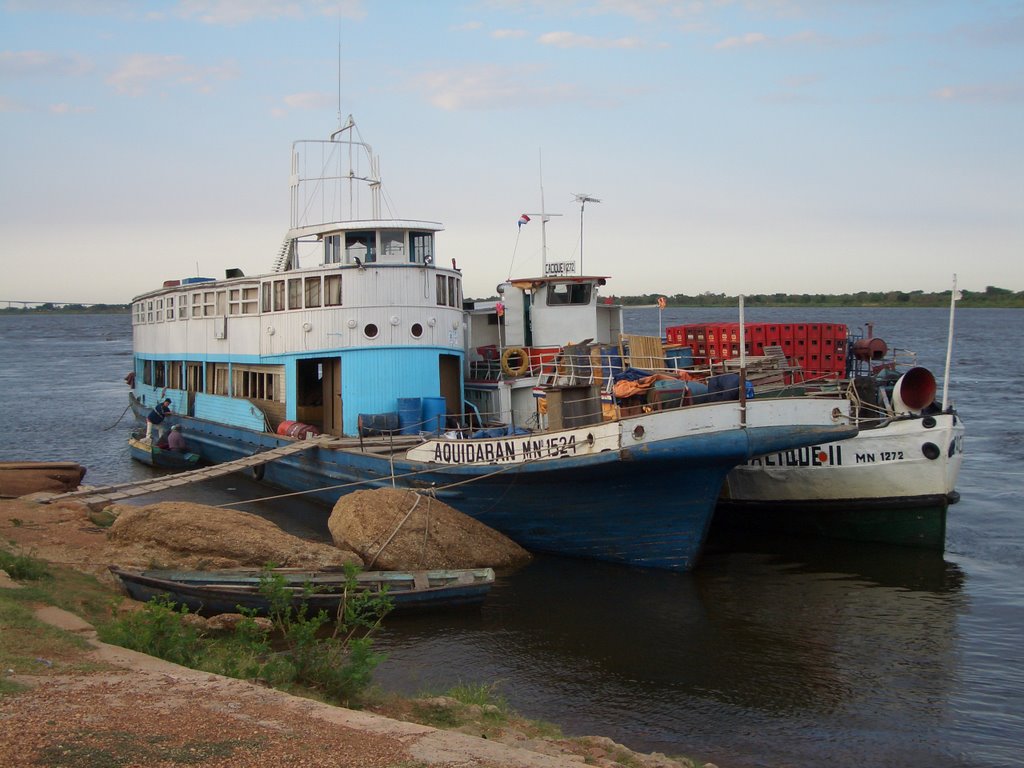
{"points": [[891, 483]]}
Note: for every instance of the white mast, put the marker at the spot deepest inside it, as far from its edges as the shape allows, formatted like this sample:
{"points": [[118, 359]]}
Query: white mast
{"points": [[544, 217], [954, 296]]}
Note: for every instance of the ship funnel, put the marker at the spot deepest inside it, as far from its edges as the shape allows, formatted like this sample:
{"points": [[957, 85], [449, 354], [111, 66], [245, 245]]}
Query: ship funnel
{"points": [[914, 391]]}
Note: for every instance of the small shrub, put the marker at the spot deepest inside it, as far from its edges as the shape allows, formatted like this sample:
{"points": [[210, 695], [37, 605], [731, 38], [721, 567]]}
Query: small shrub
{"points": [[156, 630], [339, 666], [23, 567], [479, 694]]}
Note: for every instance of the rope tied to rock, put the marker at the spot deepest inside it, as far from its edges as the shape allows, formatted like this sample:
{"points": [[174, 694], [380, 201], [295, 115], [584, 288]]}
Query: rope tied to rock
{"points": [[395, 532]]}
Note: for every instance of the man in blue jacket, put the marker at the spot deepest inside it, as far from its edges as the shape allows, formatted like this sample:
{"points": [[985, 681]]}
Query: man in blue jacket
{"points": [[156, 417]]}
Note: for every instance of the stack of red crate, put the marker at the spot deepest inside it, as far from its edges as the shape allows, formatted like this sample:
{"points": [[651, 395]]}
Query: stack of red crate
{"points": [[819, 348]]}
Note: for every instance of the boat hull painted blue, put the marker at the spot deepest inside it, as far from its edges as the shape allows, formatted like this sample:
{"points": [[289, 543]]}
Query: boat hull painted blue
{"points": [[648, 506]]}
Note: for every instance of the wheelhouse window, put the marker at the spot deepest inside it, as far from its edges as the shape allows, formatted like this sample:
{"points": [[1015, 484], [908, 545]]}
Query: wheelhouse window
{"points": [[197, 304], [421, 247], [362, 246], [295, 293], [332, 290], [448, 288], [265, 305], [149, 311], [313, 291], [392, 244], [332, 249], [209, 303], [569, 293], [183, 306], [278, 295]]}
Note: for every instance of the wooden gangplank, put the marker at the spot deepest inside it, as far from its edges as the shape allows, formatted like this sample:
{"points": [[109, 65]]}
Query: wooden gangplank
{"points": [[109, 494]]}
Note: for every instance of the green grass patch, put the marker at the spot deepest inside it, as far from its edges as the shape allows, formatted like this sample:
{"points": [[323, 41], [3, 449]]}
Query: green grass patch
{"points": [[330, 658], [40, 649], [22, 567]]}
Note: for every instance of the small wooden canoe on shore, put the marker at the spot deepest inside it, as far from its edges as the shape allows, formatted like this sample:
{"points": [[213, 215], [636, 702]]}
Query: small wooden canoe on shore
{"points": [[20, 478], [155, 456], [212, 592]]}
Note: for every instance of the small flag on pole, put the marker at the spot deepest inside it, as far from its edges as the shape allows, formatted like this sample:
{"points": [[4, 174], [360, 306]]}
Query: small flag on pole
{"points": [[524, 219], [661, 302]]}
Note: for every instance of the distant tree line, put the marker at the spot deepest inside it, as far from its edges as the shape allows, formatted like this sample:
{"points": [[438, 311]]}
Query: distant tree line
{"points": [[99, 309], [990, 297]]}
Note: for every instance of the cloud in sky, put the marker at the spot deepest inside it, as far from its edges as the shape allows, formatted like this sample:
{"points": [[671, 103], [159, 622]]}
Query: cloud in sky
{"points": [[731, 111], [231, 12], [983, 93], [491, 88], [742, 41], [574, 40], [42, 64], [137, 73]]}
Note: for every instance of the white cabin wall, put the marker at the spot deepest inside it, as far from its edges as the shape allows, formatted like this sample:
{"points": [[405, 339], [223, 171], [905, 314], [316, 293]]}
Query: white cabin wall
{"points": [[514, 328], [561, 324]]}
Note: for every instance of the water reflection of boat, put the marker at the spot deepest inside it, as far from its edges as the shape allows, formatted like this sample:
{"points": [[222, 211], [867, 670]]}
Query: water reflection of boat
{"points": [[752, 636]]}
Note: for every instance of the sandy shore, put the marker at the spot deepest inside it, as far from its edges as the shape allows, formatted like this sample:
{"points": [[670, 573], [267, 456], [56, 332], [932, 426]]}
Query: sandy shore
{"points": [[125, 705]]}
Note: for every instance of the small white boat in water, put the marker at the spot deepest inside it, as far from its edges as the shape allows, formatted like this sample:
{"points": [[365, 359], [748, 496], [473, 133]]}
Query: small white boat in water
{"points": [[892, 482]]}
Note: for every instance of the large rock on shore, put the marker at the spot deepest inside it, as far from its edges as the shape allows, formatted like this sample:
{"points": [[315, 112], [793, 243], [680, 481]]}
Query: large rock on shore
{"points": [[395, 529], [178, 534]]}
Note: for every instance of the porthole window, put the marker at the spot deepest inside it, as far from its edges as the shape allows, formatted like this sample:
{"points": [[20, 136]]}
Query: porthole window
{"points": [[416, 330], [370, 330]]}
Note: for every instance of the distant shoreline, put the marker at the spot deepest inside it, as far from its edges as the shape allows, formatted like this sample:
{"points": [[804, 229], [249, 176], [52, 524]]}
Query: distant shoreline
{"points": [[991, 298]]}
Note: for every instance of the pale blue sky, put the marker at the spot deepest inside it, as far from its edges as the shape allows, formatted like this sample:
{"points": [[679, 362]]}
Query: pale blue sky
{"points": [[737, 147]]}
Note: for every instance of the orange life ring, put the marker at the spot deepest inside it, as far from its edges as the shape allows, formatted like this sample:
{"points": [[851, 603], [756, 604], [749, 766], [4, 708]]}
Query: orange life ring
{"points": [[515, 361]]}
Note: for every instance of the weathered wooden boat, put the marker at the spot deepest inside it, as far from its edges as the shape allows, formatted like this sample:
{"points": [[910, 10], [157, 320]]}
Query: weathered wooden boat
{"points": [[20, 478], [223, 591], [155, 456], [360, 333]]}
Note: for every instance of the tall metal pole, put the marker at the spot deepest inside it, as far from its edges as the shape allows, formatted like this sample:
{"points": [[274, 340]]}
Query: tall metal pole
{"points": [[583, 198], [949, 346]]}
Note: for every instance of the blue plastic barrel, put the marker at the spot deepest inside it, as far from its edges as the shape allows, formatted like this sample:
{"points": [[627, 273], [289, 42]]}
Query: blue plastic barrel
{"points": [[611, 361], [410, 414], [434, 411], [698, 392], [681, 357]]}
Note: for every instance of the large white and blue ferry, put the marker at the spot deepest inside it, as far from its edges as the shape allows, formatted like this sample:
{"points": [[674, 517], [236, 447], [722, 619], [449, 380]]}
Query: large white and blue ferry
{"points": [[360, 335]]}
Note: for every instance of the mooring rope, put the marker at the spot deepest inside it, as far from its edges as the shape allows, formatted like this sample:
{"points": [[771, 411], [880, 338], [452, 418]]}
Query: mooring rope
{"points": [[107, 429]]}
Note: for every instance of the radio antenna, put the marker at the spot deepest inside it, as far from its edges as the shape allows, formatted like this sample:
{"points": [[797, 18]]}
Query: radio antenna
{"points": [[339, 69]]}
